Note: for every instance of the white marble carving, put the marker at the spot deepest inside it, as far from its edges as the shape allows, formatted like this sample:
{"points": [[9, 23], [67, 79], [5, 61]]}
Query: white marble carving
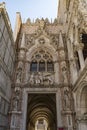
{"points": [[41, 78]]}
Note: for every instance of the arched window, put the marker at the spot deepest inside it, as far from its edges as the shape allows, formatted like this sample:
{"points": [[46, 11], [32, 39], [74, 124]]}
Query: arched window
{"points": [[33, 66], [41, 66], [84, 41], [42, 61], [84, 101], [77, 61], [50, 66]]}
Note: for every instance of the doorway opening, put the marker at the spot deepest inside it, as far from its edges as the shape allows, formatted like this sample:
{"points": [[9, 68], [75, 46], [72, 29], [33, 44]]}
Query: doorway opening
{"points": [[41, 112]]}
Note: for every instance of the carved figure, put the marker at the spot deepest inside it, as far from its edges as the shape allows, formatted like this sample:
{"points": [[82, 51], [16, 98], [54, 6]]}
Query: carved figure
{"points": [[41, 78], [18, 76], [41, 40], [67, 99], [51, 80], [32, 79], [15, 104], [37, 79], [16, 100], [64, 73]]}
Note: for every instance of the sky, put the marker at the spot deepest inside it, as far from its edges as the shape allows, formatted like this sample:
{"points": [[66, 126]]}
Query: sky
{"points": [[31, 9]]}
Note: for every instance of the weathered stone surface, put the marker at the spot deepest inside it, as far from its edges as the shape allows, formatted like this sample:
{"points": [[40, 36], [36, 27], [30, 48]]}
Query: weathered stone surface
{"points": [[44, 78]]}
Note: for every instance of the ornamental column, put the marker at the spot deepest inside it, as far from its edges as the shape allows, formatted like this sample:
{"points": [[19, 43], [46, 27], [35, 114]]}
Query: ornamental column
{"points": [[62, 58], [73, 69], [16, 111]]}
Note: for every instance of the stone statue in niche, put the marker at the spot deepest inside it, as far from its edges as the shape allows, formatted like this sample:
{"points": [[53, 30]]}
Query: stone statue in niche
{"points": [[19, 72], [15, 104], [67, 98], [18, 75], [64, 72], [16, 100]]}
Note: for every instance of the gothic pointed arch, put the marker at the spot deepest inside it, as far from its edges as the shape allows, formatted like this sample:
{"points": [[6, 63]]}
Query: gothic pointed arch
{"points": [[81, 99], [83, 105]]}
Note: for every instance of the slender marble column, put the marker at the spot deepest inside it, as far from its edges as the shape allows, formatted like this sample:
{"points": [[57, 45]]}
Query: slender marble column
{"points": [[58, 106], [81, 58], [79, 47]]}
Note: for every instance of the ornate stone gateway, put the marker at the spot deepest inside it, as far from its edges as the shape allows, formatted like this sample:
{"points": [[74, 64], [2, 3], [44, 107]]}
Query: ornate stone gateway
{"points": [[43, 74], [42, 97]]}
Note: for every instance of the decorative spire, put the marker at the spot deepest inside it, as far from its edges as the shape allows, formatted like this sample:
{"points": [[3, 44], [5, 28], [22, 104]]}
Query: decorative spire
{"points": [[61, 15], [17, 25], [2, 5], [23, 41], [61, 40]]}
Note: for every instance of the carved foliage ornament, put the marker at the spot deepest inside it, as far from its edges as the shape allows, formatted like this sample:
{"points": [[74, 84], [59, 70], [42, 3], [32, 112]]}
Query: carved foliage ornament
{"points": [[55, 41], [41, 40], [84, 4], [30, 40]]}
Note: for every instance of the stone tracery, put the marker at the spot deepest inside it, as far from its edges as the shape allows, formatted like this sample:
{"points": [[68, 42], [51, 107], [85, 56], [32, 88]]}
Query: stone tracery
{"points": [[45, 74]]}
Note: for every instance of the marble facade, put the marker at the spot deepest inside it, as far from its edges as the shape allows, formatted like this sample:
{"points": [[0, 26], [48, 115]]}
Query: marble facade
{"points": [[43, 70]]}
